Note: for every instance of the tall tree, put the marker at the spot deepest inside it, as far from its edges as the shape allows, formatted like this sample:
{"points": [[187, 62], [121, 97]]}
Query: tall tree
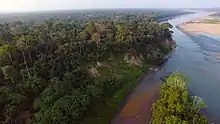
{"points": [[22, 45]]}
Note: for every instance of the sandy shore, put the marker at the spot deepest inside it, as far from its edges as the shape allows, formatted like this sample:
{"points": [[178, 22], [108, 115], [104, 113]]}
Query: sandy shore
{"points": [[201, 25]]}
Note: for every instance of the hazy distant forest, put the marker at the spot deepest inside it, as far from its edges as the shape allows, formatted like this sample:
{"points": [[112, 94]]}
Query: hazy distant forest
{"points": [[75, 67]]}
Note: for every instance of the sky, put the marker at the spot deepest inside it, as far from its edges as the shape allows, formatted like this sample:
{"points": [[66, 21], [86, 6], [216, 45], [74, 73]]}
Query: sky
{"points": [[41, 5]]}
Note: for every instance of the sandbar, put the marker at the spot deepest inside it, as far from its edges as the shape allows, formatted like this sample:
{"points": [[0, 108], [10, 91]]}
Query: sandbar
{"points": [[210, 25]]}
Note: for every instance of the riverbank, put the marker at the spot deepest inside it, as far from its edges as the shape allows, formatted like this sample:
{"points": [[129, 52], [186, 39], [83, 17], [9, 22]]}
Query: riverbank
{"points": [[128, 103], [121, 103], [208, 24], [104, 110], [136, 108]]}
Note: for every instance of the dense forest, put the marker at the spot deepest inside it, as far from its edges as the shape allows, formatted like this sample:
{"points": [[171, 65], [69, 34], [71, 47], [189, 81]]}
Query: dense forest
{"points": [[68, 70]]}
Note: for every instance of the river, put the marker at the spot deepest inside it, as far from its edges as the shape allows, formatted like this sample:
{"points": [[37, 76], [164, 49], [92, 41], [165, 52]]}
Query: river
{"points": [[196, 57]]}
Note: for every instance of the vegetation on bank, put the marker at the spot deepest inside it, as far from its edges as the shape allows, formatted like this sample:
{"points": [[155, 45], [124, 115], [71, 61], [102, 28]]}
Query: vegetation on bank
{"points": [[176, 105], [216, 14], [104, 113], [212, 21], [61, 70]]}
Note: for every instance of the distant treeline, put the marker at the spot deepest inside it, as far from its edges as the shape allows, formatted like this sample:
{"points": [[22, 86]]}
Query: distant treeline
{"points": [[111, 14], [166, 15]]}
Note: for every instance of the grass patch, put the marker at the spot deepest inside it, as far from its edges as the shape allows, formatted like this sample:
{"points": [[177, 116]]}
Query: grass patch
{"points": [[104, 112]]}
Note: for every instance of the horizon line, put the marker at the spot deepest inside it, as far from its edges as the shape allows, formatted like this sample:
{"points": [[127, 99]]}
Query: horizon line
{"points": [[81, 9]]}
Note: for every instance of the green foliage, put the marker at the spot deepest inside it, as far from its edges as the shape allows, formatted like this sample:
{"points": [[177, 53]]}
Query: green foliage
{"points": [[176, 105], [65, 110], [91, 28], [6, 48]]}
